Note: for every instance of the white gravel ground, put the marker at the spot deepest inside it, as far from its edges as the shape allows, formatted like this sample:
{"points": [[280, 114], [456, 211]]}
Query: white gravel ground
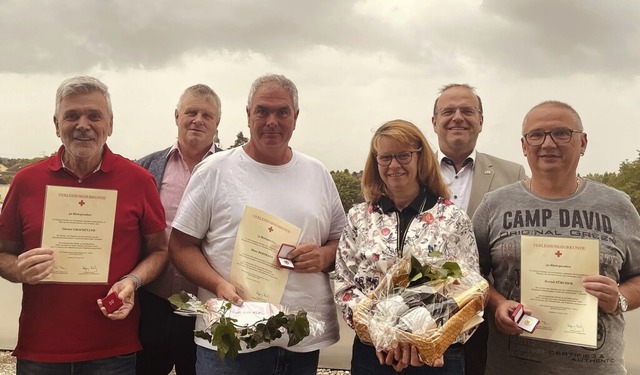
{"points": [[8, 366]]}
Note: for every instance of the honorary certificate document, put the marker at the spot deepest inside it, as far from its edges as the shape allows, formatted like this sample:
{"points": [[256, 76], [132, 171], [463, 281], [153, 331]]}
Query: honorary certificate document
{"points": [[253, 268], [552, 272], [78, 226]]}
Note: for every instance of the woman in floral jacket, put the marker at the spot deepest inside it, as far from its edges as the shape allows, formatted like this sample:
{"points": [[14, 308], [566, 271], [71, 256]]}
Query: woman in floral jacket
{"points": [[407, 211]]}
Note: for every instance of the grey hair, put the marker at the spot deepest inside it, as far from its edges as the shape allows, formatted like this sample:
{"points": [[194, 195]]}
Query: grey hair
{"points": [[556, 103], [203, 91], [452, 85], [82, 85], [278, 80]]}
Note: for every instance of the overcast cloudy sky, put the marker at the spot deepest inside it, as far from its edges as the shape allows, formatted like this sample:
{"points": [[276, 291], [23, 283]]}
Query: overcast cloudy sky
{"points": [[357, 64]]}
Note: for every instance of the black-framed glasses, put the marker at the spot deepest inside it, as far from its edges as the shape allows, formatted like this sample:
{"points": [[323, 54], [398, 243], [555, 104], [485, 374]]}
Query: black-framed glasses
{"points": [[465, 111], [559, 135], [402, 158]]}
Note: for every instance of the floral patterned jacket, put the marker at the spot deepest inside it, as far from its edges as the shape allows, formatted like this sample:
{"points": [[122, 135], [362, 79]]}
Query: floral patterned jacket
{"points": [[368, 247]]}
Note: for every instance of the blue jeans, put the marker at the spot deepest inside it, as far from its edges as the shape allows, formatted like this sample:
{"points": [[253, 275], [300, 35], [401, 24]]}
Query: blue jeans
{"points": [[118, 365], [365, 362], [274, 360]]}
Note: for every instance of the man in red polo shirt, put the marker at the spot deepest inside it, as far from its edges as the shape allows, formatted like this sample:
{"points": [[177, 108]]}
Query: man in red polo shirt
{"points": [[64, 327]]}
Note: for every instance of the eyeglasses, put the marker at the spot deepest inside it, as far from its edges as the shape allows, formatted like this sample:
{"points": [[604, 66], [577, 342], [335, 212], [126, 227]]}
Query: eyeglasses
{"points": [[465, 111], [559, 135], [402, 158]]}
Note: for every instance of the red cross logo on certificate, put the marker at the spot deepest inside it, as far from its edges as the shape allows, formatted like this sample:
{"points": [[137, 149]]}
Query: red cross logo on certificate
{"points": [[270, 229], [81, 203], [558, 253]]}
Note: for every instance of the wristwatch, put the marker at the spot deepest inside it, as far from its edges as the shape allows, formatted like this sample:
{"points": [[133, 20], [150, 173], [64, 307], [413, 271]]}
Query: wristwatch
{"points": [[623, 304]]}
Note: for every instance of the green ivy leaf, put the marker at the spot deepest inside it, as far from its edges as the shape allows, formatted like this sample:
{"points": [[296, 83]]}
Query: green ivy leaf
{"points": [[298, 328], [226, 335], [454, 269], [180, 300], [421, 274]]}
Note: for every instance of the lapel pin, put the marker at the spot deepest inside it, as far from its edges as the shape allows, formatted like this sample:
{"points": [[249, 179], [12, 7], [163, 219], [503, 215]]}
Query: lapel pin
{"points": [[487, 172]]}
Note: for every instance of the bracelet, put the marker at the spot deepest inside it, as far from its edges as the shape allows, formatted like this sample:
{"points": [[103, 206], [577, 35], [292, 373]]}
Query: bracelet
{"points": [[134, 278]]}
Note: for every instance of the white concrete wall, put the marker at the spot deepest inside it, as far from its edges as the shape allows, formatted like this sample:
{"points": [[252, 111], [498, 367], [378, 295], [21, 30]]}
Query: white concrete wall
{"points": [[3, 191], [10, 302], [10, 299]]}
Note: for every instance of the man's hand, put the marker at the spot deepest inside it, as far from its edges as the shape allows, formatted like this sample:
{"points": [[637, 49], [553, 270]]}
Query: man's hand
{"points": [[309, 258], [604, 289], [34, 265], [226, 290], [125, 289], [503, 320]]}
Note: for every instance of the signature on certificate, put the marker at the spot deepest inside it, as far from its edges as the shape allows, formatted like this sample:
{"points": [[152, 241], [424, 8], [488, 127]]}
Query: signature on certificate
{"points": [[59, 270], [575, 328], [90, 270]]}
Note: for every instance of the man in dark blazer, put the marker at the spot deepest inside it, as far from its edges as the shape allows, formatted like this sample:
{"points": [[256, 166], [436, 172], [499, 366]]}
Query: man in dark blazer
{"points": [[457, 120], [167, 338]]}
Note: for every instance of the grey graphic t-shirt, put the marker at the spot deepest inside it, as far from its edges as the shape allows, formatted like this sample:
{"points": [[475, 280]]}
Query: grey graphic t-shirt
{"points": [[593, 212]]}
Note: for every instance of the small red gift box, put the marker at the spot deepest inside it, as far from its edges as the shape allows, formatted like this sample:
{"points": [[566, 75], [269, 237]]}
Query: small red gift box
{"points": [[283, 262], [526, 322], [111, 302]]}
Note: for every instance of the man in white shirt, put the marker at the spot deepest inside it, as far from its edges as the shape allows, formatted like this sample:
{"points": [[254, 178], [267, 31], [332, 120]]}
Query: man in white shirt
{"points": [[268, 175]]}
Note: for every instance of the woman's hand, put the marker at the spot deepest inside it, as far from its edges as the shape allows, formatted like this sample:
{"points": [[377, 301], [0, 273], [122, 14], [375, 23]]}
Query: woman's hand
{"points": [[403, 356]]}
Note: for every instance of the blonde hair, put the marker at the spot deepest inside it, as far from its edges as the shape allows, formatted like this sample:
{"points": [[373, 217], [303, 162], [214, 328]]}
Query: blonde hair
{"points": [[406, 134]]}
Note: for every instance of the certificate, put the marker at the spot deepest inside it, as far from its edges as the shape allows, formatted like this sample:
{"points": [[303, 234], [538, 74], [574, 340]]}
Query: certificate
{"points": [[78, 226], [254, 272], [552, 272]]}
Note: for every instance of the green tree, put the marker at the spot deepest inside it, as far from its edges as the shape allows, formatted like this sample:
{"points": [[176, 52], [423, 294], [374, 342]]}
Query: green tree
{"points": [[348, 187], [626, 179], [7, 162], [240, 140]]}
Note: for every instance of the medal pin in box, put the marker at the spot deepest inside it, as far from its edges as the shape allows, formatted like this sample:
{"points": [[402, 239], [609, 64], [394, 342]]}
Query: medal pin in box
{"points": [[281, 258], [526, 322]]}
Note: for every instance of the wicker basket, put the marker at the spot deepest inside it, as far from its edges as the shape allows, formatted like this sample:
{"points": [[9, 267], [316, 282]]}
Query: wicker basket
{"points": [[432, 347]]}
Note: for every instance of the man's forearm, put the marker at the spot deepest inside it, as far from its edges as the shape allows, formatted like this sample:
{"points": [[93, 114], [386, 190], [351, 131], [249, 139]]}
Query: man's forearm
{"points": [[151, 266], [9, 261], [186, 255], [9, 267], [631, 290], [156, 257], [495, 299], [329, 249]]}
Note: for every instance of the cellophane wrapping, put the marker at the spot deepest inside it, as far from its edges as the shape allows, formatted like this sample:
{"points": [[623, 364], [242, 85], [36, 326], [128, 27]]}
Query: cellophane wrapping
{"points": [[429, 316]]}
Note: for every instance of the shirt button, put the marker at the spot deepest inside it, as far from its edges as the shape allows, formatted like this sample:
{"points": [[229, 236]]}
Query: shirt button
{"points": [[455, 197]]}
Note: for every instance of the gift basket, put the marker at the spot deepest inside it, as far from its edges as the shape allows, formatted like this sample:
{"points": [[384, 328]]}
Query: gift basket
{"points": [[426, 303]]}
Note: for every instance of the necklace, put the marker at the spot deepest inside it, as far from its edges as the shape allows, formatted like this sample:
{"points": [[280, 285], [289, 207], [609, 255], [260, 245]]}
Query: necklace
{"points": [[578, 179]]}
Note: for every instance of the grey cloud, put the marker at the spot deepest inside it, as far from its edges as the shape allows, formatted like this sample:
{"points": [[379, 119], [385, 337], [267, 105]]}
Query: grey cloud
{"points": [[556, 37], [531, 38], [64, 36]]}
